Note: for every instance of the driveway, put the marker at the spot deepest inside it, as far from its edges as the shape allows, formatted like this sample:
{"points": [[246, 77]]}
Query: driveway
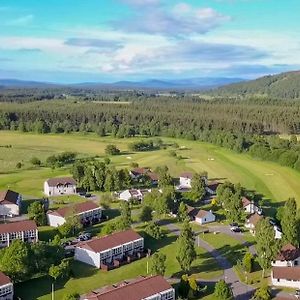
{"points": [[240, 290], [236, 235]]}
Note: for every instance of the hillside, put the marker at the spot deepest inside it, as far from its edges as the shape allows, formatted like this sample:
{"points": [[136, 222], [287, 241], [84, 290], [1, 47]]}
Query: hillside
{"points": [[281, 86]]}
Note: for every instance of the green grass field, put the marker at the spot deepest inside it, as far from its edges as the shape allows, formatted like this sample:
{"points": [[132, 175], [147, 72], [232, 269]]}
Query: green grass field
{"points": [[272, 180], [86, 278]]}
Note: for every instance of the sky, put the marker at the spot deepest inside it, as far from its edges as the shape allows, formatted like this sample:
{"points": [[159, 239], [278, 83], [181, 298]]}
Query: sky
{"points": [[110, 40]]}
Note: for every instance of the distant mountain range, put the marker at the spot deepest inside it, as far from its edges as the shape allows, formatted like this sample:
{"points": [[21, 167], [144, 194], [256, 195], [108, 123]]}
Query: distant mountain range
{"points": [[281, 86], [180, 84]]}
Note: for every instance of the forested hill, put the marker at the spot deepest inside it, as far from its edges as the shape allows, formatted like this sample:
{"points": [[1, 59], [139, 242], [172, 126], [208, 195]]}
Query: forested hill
{"points": [[281, 86]]}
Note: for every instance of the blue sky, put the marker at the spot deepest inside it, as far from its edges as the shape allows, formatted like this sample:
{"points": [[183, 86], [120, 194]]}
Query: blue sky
{"points": [[111, 40]]}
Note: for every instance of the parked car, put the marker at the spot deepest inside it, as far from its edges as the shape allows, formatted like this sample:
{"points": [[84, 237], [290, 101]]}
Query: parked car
{"points": [[236, 229], [297, 294], [234, 224], [88, 195]]}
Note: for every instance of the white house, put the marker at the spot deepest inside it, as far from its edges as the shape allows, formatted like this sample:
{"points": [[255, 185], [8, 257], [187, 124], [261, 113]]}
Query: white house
{"points": [[252, 221], [204, 217], [10, 203], [278, 232], [6, 288], [87, 212], [60, 186], [104, 250], [289, 256], [185, 180], [143, 288], [134, 194], [286, 277], [250, 207], [25, 231]]}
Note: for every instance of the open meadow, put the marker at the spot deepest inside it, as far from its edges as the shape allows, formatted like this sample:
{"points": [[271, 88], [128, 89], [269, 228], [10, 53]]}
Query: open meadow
{"points": [[270, 179]]}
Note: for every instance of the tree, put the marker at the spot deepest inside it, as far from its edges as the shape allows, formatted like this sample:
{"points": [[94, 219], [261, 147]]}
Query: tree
{"points": [[35, 161], [164, 178], [154, 230], [223, 291], [266, 245], [158, 264], [71, 226], [262, 293], [146, 214], [125, 218], [112, 150], [71, 296], [198, 187], [248, 262], [14, 261], [186, 252], [289, 222], [60, 271], [182, 212], [36, 212]]}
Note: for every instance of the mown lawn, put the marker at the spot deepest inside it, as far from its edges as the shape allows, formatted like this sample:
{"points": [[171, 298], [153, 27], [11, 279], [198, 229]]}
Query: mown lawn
{"points": [[86, 278], [271, 180]]}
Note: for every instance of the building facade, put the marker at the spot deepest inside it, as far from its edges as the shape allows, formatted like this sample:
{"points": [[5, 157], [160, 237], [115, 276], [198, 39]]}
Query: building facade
{"points": [[25, 231], [60, 186], [204, 217], [87, 212], [10, 203], [6, 288], [104, 250], [143, 288]]}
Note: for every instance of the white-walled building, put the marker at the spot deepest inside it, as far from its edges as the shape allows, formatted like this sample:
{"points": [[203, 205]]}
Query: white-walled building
{"points": [[25, 231], [185, 180], [137, 173], [143, 288], [250, 207], [286, 277], [289, 256], [60, 186], [203, 217], [10, 203], [86, 211], [104, 250], [133, 194], [252, 221], [6, 287]]}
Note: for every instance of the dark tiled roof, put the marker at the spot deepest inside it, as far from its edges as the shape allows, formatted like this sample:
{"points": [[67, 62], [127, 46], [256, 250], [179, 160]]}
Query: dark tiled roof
{"points": [[18, 226], [61, 180], [140, 171], [289, 273], [254, 219], [110, 241], [288, 252], [77, 209], [245, 201], [188, 175], [4, 279], [8, 197], [138, 289]]}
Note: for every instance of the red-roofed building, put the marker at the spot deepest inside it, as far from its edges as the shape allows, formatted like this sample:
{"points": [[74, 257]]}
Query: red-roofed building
{"points": [[60, 186], [204, 216], [6, 288], [103, 250], [143, 288], [86, 211], [250, 207], [286, 276], [137, 173], [10, 203], [289, 256], [22, 230]]}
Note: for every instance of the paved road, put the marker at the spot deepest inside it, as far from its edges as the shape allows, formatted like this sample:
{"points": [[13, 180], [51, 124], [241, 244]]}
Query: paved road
{"points": [[241, 291], [236, 235]]}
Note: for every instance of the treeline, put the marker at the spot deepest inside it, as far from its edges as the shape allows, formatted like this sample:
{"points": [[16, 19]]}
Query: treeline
{"points": [[282, 86], [164, 117]]}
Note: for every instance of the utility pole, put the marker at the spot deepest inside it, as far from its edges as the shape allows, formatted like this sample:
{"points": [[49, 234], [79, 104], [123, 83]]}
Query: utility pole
{"points": [[52, 293]]}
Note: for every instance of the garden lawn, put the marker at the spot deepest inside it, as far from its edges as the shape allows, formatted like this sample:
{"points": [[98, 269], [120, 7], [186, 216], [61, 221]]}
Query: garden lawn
{"points": [[273, 181], [87, 278]]}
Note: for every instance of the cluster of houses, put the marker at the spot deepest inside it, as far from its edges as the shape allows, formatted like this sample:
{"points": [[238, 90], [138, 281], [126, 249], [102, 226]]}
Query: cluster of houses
{"points": [[286, 267]]}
